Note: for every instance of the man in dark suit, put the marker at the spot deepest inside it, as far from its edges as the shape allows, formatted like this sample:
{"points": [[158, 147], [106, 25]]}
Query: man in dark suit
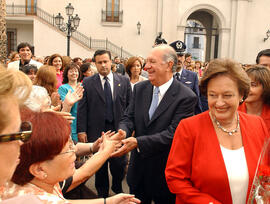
{"points": [[154, 112], [188, 78], [106, 96], [120, 68]]}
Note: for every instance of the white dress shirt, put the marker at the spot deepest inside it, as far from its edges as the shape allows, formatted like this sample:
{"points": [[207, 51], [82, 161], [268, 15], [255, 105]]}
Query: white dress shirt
{"points": [[163, 89], [110, 80]]}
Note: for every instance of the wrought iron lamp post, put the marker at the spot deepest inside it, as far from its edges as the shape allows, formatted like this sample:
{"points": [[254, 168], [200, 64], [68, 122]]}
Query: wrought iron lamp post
{"points": [[71, 25]]}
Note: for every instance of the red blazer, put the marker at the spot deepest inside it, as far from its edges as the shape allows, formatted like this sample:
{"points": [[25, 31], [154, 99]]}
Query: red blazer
{"points": [[195, 169], [265, 113]]}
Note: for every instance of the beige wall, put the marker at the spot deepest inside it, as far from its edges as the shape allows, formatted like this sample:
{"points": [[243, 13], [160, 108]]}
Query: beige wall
{"points": [[242, 24], [24, 30], [48, 40]]}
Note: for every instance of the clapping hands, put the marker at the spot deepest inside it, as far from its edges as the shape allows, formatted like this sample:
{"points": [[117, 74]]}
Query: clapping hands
{"points": [[77, 95]]}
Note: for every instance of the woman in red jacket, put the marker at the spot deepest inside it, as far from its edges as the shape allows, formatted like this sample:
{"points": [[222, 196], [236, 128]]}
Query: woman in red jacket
{"points": [[258, 100], [214, 155]]}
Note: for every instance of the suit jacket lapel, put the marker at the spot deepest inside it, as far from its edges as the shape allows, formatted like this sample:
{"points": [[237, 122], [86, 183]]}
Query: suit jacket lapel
{"points": [[147, 97], [167, 99], [98, 87]]}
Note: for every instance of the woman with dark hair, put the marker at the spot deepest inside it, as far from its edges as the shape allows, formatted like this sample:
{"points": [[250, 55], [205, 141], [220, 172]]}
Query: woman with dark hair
{"points": [[198, 68], [134, 69], [56, 60], [31, 71], [258, 100], [46, 159], [86, 71], [71, 76], [214, 155]]}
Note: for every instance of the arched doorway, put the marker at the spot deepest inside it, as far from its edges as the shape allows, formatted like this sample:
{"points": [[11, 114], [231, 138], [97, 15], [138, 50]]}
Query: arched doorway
{"points": [[202, 35]]}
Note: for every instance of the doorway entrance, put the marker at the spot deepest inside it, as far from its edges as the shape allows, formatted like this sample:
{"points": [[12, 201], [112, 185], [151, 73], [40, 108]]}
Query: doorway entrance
{"points": [[202, 35]]}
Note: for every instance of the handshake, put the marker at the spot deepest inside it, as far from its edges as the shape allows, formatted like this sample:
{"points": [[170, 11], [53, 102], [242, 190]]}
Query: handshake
{"points": [[114, 143]]}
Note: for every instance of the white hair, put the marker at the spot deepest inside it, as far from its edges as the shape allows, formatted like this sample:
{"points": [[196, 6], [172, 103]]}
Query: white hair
{"points": [[38, 100]]}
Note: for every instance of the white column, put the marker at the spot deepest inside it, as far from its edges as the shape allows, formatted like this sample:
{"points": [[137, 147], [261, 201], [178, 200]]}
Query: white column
{"points": [[159, 16], [224, 50], [238, 25]]}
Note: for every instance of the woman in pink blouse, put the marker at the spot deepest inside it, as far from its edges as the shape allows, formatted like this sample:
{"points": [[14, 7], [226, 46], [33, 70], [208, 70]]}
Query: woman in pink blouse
{"points": [[56, 60]]}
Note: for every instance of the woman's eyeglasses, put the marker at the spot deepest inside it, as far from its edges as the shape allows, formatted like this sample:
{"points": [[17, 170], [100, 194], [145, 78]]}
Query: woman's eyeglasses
{"points": [[24, 134], [71, 148]]}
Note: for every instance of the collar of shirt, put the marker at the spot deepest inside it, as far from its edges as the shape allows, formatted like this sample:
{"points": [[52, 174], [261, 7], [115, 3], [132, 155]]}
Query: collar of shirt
{"points": [[163, 89], [180, 72], [25, 63], [110, 80]]}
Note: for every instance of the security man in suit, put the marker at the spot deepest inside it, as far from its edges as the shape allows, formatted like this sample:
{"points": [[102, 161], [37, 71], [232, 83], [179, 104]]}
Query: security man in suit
{"points": [[156, 108], [188, 78], [106, 96]]}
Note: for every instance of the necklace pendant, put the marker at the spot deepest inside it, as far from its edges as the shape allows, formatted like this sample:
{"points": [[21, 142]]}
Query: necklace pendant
{"points": [[230, 133]]}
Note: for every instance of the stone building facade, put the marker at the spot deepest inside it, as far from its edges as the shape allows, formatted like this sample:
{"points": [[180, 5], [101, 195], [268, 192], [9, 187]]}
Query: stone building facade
{"points": [[230, 28]]}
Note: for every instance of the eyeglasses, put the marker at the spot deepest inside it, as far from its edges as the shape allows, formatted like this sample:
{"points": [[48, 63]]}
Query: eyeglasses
{"points": [[71, 148], [24, 134]]}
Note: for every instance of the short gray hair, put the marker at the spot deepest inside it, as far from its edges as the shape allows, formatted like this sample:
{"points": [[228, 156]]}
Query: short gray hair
{"points": [[170, 56]]}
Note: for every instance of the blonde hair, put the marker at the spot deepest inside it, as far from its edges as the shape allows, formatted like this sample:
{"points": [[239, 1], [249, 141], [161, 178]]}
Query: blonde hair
{"points": [[14, 86], [13, 82]]}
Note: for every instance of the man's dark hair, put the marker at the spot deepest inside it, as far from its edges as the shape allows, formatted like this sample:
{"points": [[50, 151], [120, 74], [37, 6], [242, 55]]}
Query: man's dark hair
{"points": [[187, 55], [102, 52], [23, 45], [265, 52]]}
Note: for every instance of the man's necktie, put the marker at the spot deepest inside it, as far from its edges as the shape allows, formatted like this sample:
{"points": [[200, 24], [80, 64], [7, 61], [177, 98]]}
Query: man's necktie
{"points": [[177, 76], [108, 100], [154, 103]]}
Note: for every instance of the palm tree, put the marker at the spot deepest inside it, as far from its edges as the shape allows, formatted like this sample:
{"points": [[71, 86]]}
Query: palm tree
{"points": [[3, 35]]}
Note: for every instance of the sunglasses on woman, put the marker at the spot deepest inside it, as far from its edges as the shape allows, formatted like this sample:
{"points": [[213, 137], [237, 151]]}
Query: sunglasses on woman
{"points": [[24, 134]]}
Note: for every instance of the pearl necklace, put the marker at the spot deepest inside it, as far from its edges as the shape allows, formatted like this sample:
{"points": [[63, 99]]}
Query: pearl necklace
{"points": [[228, 131]]}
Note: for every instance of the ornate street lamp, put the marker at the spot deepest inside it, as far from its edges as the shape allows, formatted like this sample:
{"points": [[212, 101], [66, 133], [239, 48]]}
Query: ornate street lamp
{"points": [[139, 27], [71, 25]]}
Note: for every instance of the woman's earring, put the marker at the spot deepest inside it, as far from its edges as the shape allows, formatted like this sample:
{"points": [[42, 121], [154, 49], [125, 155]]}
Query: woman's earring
{"points": [[45, 176]]}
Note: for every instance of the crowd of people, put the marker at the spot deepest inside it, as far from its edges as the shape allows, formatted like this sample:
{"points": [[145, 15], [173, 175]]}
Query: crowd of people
{"points": [[181, 131]]}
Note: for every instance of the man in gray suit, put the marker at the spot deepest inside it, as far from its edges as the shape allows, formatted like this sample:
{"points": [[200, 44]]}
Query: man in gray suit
{"points": [[156, 108]]}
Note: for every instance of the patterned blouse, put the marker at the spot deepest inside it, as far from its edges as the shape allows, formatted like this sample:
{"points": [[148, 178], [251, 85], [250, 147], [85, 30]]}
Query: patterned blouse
{"points": [[11, 190]]}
